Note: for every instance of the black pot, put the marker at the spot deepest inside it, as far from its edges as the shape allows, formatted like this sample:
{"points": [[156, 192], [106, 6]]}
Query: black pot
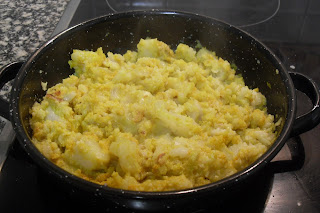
{"points": [[120, 32]]}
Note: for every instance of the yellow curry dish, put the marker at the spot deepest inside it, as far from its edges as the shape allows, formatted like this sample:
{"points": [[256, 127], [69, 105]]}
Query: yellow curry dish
{"points": [[154, 119]]}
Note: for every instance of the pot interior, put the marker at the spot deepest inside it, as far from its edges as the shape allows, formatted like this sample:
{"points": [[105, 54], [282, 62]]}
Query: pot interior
{"points": [[121, 32]]}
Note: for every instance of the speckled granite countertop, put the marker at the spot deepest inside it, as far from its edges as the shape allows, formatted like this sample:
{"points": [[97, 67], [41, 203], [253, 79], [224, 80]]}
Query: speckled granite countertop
{"points": [[24, 26]]}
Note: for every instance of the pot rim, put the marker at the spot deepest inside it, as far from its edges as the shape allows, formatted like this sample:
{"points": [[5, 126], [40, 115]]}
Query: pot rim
{"points": [[31, 150]]}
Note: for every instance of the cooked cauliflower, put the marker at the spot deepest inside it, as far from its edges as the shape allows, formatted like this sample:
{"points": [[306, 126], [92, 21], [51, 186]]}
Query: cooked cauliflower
{"points": [[152, 119]]}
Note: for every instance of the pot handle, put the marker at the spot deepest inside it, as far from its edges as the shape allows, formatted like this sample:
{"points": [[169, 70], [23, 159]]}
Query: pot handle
{"points": [[310, 119], [7, 73]]}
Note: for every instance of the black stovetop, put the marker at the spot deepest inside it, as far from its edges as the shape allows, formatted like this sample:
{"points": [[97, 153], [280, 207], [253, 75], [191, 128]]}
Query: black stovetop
{"points": [[290, 183]]}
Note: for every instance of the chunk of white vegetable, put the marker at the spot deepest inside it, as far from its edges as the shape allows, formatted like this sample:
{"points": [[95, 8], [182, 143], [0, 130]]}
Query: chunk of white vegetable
{"points": [[87, 154]]}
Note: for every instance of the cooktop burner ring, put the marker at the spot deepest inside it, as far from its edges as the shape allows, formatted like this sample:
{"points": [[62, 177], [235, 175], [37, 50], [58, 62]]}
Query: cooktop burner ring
{"points": [[251, 12]]}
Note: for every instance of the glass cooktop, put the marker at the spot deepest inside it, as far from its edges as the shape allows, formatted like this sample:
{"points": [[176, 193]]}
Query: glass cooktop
{"points": [[290, 183]]}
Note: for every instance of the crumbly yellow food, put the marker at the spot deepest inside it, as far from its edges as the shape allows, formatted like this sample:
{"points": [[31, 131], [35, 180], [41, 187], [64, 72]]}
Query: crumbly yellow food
{"points": [[152, 120]]}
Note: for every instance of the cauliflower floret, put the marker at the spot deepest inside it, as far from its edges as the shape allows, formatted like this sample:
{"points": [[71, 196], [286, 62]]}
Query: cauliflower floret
{"points": [[193, 109], [83, 60], [256, 136], [87, 154], [176, 123], [126, 149], [245, 154], [154, 49], [186, 53], [52, 116]]}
